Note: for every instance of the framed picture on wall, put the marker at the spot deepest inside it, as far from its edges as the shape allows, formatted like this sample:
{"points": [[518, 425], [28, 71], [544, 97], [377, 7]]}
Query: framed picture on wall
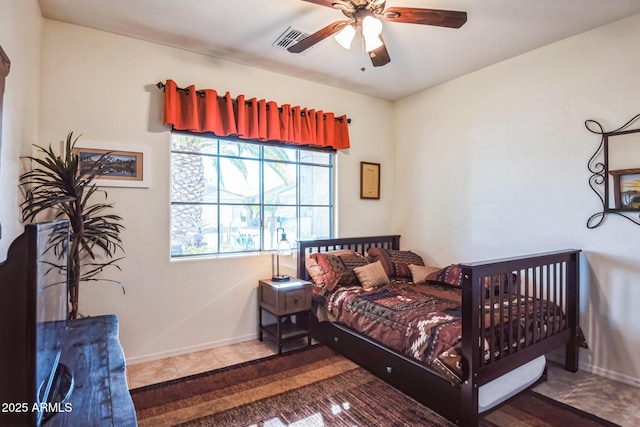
{"points": [[127, 166], [4, 72], [369, 180], [626, 188]]}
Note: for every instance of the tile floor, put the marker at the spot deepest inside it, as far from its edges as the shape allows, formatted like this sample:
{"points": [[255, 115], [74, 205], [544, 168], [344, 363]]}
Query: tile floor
{"points": [[194, 363], [608, 399]]}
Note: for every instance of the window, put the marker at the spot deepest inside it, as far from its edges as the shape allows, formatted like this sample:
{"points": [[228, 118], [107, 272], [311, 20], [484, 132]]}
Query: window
{"points": [[229, 195]]}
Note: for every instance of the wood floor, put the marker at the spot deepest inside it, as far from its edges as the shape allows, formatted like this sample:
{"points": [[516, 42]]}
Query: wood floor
{"points": [[608, 399]]}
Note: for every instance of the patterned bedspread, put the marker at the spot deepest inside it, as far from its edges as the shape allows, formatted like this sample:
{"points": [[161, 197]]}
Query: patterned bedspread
{"points": [[424, 321]]}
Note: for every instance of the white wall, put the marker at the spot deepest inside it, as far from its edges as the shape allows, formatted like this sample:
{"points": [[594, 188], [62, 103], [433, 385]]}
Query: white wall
{"points": [[20, 38], [103, 86], [494, 164]]}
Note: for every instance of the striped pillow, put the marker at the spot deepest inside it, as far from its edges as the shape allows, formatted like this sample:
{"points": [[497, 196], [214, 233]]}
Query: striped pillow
{"points": [[395, 263]]}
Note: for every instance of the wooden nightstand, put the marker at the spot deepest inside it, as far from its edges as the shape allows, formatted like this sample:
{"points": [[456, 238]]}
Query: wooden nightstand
{"points": [[284, 299]]}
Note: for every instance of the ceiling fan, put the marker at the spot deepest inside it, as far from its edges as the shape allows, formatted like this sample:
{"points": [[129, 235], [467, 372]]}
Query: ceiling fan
{"points": [[364, 17]]}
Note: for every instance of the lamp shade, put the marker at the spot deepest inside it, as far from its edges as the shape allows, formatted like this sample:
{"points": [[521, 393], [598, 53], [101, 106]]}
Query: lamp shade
{"points": [[372, 43], [371, 27], [283, 249], [345, 36], [371, 30]]}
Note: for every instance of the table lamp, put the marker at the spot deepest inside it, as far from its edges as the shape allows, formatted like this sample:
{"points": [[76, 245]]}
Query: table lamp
{"points": [[283, 249]]}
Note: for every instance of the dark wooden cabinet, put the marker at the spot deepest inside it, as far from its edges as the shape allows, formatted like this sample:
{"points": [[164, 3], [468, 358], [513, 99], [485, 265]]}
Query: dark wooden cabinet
{"points": [[100, 395], [284, 300], [55, 372]]}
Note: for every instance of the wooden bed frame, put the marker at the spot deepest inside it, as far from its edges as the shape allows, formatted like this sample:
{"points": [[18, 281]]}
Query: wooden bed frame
{"points": [[554, 275]]}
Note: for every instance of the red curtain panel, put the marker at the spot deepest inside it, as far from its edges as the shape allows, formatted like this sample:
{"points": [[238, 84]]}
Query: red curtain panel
{"points": [[200, 111]]}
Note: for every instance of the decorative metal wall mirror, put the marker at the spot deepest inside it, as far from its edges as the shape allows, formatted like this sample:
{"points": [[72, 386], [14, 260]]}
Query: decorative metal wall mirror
{"points": [[615, 172]]}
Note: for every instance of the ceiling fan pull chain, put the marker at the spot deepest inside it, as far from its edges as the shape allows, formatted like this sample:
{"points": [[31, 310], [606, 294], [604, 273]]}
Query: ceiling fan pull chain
{"points": [[362, 68]]}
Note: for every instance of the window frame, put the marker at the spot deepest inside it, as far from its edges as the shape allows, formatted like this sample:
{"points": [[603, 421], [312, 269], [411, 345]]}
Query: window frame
{"points": [[261, 204]]}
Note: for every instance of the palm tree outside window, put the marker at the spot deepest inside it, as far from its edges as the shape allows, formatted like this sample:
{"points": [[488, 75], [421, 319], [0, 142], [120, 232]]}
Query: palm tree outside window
{"points": [[230, 196]]}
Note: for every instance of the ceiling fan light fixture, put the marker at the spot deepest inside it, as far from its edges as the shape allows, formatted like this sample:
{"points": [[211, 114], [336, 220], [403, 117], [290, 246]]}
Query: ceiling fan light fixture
{"points": [[362, 18], [371, 30], [345, 36], [371, 27], [372, 43]]}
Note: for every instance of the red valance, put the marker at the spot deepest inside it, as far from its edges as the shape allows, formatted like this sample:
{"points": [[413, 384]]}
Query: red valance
{"points": [[204, 111]]}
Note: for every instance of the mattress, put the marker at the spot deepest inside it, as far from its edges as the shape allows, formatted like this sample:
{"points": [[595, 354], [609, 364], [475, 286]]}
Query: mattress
{"points": [[499, 390]]}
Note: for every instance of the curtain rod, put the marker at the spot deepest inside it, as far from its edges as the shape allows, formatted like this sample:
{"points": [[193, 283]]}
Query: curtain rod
{"points": [[161, 85]]}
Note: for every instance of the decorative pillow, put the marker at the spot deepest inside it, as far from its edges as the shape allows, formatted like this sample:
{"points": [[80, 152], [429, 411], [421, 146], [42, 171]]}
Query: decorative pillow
{"points": [[419, 273], [316, 276], [495, 286], [451, 275], [336, 269], [395, 263], [372, 275], [315, 273]]}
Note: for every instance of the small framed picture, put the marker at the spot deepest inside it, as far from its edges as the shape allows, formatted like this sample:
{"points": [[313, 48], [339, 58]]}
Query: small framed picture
{"points": [[128, 166], [626, 188], [369, 180], [5, 65]]}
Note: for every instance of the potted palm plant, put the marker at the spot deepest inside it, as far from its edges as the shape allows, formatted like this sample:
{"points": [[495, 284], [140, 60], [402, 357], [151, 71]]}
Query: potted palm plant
{"points": [[56, 188]]}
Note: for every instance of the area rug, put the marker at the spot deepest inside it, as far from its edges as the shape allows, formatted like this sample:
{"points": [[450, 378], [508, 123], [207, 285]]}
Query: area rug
{"points": [[317, 387]]}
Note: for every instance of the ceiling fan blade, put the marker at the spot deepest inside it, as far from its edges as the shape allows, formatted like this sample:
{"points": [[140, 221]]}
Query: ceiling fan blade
{"points": [[412, 15], [380, 56], [316, 37]]}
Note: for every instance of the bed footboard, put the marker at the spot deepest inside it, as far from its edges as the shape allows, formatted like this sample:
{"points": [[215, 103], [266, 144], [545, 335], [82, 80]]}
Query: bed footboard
{"points": [[541, 291]]}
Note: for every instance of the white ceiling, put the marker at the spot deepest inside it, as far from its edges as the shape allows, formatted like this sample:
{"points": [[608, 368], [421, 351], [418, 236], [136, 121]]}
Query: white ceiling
{"points": [[421, 56]]}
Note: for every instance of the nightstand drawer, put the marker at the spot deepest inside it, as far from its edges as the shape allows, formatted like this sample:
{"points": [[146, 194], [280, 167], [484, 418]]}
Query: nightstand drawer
{"points": [[297, 300], [282, 298]]}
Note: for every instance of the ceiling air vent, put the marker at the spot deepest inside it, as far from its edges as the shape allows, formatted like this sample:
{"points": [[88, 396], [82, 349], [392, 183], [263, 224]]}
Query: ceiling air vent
{"points": [[290, 37]]}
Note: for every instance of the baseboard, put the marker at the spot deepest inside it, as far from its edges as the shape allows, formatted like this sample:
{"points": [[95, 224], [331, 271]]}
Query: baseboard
{"points": [[191, 349], [605, 373]]}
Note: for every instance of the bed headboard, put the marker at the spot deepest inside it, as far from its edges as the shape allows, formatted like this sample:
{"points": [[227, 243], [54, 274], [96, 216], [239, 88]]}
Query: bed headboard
{"points": [[356, 244]]}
